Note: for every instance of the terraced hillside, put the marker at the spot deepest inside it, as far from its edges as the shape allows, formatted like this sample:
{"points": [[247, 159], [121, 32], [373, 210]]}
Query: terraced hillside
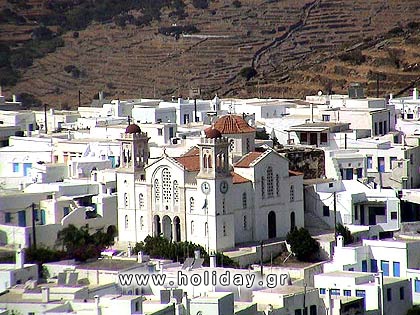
{"points": [[296, 47]]}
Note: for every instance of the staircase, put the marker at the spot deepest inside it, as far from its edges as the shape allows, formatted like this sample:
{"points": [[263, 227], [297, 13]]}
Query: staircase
{"points": [[315, 225]]}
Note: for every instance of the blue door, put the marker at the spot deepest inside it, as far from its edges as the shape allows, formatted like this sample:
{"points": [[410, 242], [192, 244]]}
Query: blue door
{"points": [[26, 168], [42, 216], [364, 265], [385, 267], [22, 218], [373, 265], [112, 159], [396, 268]]}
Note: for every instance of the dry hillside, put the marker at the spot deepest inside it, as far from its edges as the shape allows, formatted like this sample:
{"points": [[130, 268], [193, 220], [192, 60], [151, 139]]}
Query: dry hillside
{"points": [[296, 47]]}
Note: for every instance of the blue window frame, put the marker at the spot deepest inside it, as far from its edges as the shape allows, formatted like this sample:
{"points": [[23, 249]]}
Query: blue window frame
{"points": [[66, 211], [15, 167], [385, 267], [396, 268], [335, 291], [26, 168], [360, 293], [364, 266], [322, 290], [417, 286], [373, 265], [369, 162], [347, 292], [7, 217], [381, 164]]}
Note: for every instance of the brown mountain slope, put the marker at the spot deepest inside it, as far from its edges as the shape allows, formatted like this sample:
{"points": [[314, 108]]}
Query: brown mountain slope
{"points": [[293, 45]]}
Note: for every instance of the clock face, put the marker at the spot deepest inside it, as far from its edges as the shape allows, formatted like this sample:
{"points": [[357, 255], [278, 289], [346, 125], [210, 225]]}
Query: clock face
{"points": [[205, 188], [224, 187]]}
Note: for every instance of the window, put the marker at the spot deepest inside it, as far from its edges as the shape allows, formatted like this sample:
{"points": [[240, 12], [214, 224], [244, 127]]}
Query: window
{"points": [[292, 193], [385, 267], [417, 286], [369, 162], [335, 291], [141, 201], [401, 293], [326, 211], [126, 200], [191, 204], [7, 217], [322, 291], [262, 187], [313, 310], [66, 211], [376, 129], [277, 185], [303, 137], [160, 131], [364, 265], [325, 117], [347, 292], [356, 213], [373, 265], [298, 312], [223, 206], [192, 227], [245, 223], [166, 185], [360, 293], [206, 229], [157, 190], [15, 167], [381, 164], [388, 294], [126, 222], [224, 229], [141, 223], [392, 159], [394, 215], [244, 201], [270, 190], [396, 268], [176, 191], [324, 137], [248, 147]]}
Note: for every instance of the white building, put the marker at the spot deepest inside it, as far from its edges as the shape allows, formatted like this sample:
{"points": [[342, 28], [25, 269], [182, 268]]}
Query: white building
{"points": [[190, 198]]}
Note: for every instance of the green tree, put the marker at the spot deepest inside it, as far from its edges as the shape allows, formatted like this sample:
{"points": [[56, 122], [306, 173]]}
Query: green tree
{"points": [[248, 73], [302, 244], [345, 232]]}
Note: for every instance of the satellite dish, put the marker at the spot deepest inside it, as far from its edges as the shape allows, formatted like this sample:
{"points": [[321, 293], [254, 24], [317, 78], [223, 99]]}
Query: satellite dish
{"points": [[319, 93]]}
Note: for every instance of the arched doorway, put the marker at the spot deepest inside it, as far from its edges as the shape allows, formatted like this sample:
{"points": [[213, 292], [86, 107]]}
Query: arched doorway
{"points": [[156, 225], [167, 227], [292, 221], [272, 225], [177, 229]]}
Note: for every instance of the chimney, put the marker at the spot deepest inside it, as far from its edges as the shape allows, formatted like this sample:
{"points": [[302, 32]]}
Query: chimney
{"points": [[45, 295], [340, 241], [213, 263], [197, 254], [97, 312], [20, 258], [391, 96], [101, 96], [415, 94], [14, 98]]}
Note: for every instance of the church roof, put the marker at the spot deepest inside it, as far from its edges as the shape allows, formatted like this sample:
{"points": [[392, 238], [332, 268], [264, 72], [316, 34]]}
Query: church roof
{"points": [[247, 159], [238, 179], [232, 124], [212, 133], [190, 160], [192, 151], [133, 128]]}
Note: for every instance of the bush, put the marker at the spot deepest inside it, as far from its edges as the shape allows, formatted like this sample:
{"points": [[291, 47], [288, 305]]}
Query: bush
{"points": [[28, 100], [237, 3], [42, 33], [248, 73], [302, 244], [200, 4], [177, 30], [42, 255], [345, 232], [355, 57]]}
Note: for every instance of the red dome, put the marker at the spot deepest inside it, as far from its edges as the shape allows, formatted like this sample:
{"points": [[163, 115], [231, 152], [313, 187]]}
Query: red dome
{"points": [[232, 124], [133, 128], [212, 133]]}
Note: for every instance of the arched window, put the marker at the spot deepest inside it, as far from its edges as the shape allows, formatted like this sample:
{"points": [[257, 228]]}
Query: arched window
{"points": [[192, 204], [262, 187], [141, 201], [245, 223], [126, 222], [205, 165], [244, 201], [166, 185], [270, 190], [141, 223], [209, 164], [126, 200], [192, 227], [157, 190], [277, 185], [176, 191], [292, 193]]}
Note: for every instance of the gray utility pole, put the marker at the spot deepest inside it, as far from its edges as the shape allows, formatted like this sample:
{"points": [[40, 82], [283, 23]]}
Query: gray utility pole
{"points": [[33, 226]]}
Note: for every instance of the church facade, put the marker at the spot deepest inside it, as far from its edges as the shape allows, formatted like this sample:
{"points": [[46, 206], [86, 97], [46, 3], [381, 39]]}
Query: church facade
{"points": [[219, 194]]}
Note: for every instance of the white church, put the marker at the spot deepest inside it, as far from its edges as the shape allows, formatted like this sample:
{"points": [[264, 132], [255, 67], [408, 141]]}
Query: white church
{"points": [[219, 194]]}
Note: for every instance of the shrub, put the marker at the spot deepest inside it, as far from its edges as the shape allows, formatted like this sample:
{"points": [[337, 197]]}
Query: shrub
{"points": [[248, 73], [42, 33], [355, 57], [28, 100], [302, 244], [200, 4], [237, 3], [42, 255]]}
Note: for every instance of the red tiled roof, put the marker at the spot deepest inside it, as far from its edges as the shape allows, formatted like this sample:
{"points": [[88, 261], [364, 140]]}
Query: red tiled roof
{"points": [[190, 162], [295, 173], [192, 151], [248, 159], [238, 179], [232, 124]]}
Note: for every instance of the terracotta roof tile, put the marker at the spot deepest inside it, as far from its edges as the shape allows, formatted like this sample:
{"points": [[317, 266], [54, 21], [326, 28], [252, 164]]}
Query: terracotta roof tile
{"points": [[238, 179], [295, 173], [232, 124], [190, 162], [248, 159], [192, 151]]}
